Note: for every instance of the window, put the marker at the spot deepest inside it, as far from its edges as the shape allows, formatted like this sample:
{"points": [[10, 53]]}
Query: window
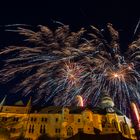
{"points": [[15, 119], [46, 119], [70, 131], [114, 124], [12, 130], [57, 130], [78, 120], [103, 124], [30, 129], [123, 128], [42, 119], [80, 129], [4, 119], [42, 129], [32, 119], [56, 119]]}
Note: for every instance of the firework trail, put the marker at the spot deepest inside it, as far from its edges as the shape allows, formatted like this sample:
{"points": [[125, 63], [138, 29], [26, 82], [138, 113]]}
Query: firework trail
{"points": [[61, 64]]}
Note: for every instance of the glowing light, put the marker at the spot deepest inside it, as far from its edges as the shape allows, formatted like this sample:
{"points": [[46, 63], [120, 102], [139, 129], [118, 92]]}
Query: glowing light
{"points": [[129, 67], [116, 75], [80, 100], [135, 115]]}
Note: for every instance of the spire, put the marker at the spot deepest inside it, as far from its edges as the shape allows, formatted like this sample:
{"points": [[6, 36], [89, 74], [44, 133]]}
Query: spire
{"points": [[29, 102], [3, 101], [29, 105]]}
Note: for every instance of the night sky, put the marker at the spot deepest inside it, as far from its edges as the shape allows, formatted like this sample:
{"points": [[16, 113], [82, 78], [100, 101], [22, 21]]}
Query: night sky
{"points": [[123, 14]]}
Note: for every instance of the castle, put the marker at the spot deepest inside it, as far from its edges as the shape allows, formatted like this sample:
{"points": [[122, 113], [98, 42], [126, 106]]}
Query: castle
{"points": [[101, 122]]}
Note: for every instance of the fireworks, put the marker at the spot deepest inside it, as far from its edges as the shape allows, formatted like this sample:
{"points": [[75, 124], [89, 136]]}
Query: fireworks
{"points": [[59, 65]]}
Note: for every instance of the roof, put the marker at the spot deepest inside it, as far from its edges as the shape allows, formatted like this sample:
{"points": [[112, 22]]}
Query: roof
{"points": [[77, 110], [19, 103]]}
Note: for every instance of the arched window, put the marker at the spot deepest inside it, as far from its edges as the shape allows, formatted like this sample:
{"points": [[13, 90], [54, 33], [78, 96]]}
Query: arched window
{"points": [[44, 129], [42, 119], [69, 131], [33, 129], [46, 119], [123, 128], [104, 122], [115, 124], [41, 130], [30, 129], [32, 119]]}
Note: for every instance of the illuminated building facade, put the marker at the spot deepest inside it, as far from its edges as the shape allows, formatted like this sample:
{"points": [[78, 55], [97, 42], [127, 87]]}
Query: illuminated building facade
{"points": [[101, 122]]}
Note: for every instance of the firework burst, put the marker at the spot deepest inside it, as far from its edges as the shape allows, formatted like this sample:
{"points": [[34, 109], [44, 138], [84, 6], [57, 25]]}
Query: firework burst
{"points": [[61, 65]]}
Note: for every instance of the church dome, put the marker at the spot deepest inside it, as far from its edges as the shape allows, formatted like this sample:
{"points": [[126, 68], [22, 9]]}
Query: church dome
{"points": [[106, 101]]}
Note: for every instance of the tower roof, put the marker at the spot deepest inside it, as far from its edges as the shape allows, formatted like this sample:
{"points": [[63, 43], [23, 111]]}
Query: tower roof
{"points": [[19, 103]]}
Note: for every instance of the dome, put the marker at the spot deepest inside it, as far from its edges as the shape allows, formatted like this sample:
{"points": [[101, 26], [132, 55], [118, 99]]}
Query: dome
{"points": [[106, 101]]}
